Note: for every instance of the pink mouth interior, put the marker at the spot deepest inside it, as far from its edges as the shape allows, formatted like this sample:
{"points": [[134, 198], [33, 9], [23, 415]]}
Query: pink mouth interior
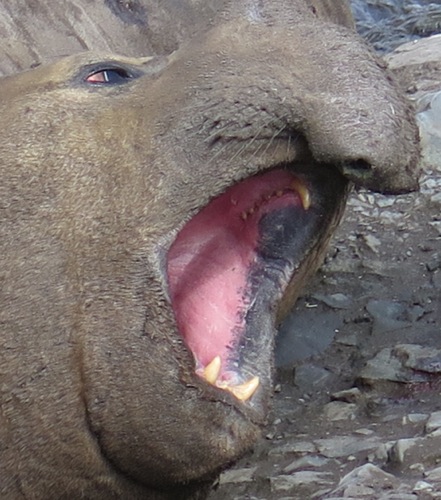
{"points": [[210, 260]]}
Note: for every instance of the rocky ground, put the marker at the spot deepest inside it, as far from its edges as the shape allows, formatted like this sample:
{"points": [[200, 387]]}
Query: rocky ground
{"points": [[386, 24], [357, 406]]}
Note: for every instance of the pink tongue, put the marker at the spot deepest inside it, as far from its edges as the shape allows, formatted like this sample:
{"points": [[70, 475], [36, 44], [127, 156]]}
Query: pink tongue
{"points": [[209, 262]]}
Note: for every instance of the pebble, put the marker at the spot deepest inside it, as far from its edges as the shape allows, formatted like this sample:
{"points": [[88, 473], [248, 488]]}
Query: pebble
{"points": [[417, 466], [364, 432], [437, 226], [305, 462], [372, 242], [434, 422], [348, 395], [435, 262], [384, 202], [422, 486], [436, 199], [416, 418], [336, 300], [337, 410]]}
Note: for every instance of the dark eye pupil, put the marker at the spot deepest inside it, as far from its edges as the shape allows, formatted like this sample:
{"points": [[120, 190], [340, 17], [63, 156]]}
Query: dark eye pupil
{"points": [[113, 76]]}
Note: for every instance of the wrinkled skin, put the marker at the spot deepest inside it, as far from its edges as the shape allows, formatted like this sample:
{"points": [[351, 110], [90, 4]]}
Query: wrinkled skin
{"points": [[99, 396]]}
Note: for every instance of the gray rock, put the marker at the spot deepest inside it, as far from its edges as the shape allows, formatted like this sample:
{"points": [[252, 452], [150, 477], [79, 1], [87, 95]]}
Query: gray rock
{"points": [[364, 481], [430, 128], [383, 367], [403, 363], [348, 395], [397, 496], [367, 481], [372, 242], [436, 278], [336, 300], [425, 359], [343, 446], [415, 313], [435, 262], [434, 422], [436, 199], [309, 377], [436, 225], [388, 315], [385, 201], [313, 461], [337, 410], [305, 333], [301, 478], [422, 486], [416, 418], [381, 453], [299, 447], [399, 449], [349, 339], [433, 475], [237, 475]]}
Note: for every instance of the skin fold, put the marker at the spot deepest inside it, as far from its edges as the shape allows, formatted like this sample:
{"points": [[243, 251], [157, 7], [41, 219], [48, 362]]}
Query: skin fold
{"points": [[98, 392]]}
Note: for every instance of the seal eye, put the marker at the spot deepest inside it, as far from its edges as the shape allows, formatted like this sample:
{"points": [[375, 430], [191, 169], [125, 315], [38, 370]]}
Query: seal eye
{"points": [[109, 76]]}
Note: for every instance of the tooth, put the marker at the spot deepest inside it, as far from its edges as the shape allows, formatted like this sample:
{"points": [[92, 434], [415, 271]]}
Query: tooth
{"points": [[251, 211], [279, 193], [244, 215], [303, 192], [244, 391], [212, 370]]}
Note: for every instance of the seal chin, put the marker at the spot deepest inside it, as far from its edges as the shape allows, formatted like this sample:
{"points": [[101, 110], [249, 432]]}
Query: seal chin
{"points": [[230, 266]]}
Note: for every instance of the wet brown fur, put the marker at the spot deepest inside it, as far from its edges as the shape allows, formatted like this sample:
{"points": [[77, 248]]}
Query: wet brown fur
{"points": [[98, 396]]}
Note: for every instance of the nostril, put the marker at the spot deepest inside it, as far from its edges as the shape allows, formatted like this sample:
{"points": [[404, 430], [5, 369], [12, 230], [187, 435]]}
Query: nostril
{"points": [[357, 166], [360, 172]]}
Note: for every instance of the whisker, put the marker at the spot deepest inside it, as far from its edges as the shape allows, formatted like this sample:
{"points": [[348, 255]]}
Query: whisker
{"points": [[251, 142]]}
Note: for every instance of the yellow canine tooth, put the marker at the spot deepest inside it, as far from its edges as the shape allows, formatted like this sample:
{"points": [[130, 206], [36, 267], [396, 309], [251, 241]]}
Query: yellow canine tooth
{"points": [[212, 370], [303, 192], [244, 391]]}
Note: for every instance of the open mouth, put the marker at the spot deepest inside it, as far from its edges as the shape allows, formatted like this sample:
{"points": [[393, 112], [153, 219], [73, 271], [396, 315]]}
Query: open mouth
{"points": [[230, 265]]}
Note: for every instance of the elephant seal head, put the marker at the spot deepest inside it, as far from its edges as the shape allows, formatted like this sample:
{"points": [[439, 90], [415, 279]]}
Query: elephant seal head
{"points": [[154, 214]]}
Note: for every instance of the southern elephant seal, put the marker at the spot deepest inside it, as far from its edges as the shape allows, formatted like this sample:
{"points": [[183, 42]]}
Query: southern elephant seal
{"points": [[153, 214]]}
